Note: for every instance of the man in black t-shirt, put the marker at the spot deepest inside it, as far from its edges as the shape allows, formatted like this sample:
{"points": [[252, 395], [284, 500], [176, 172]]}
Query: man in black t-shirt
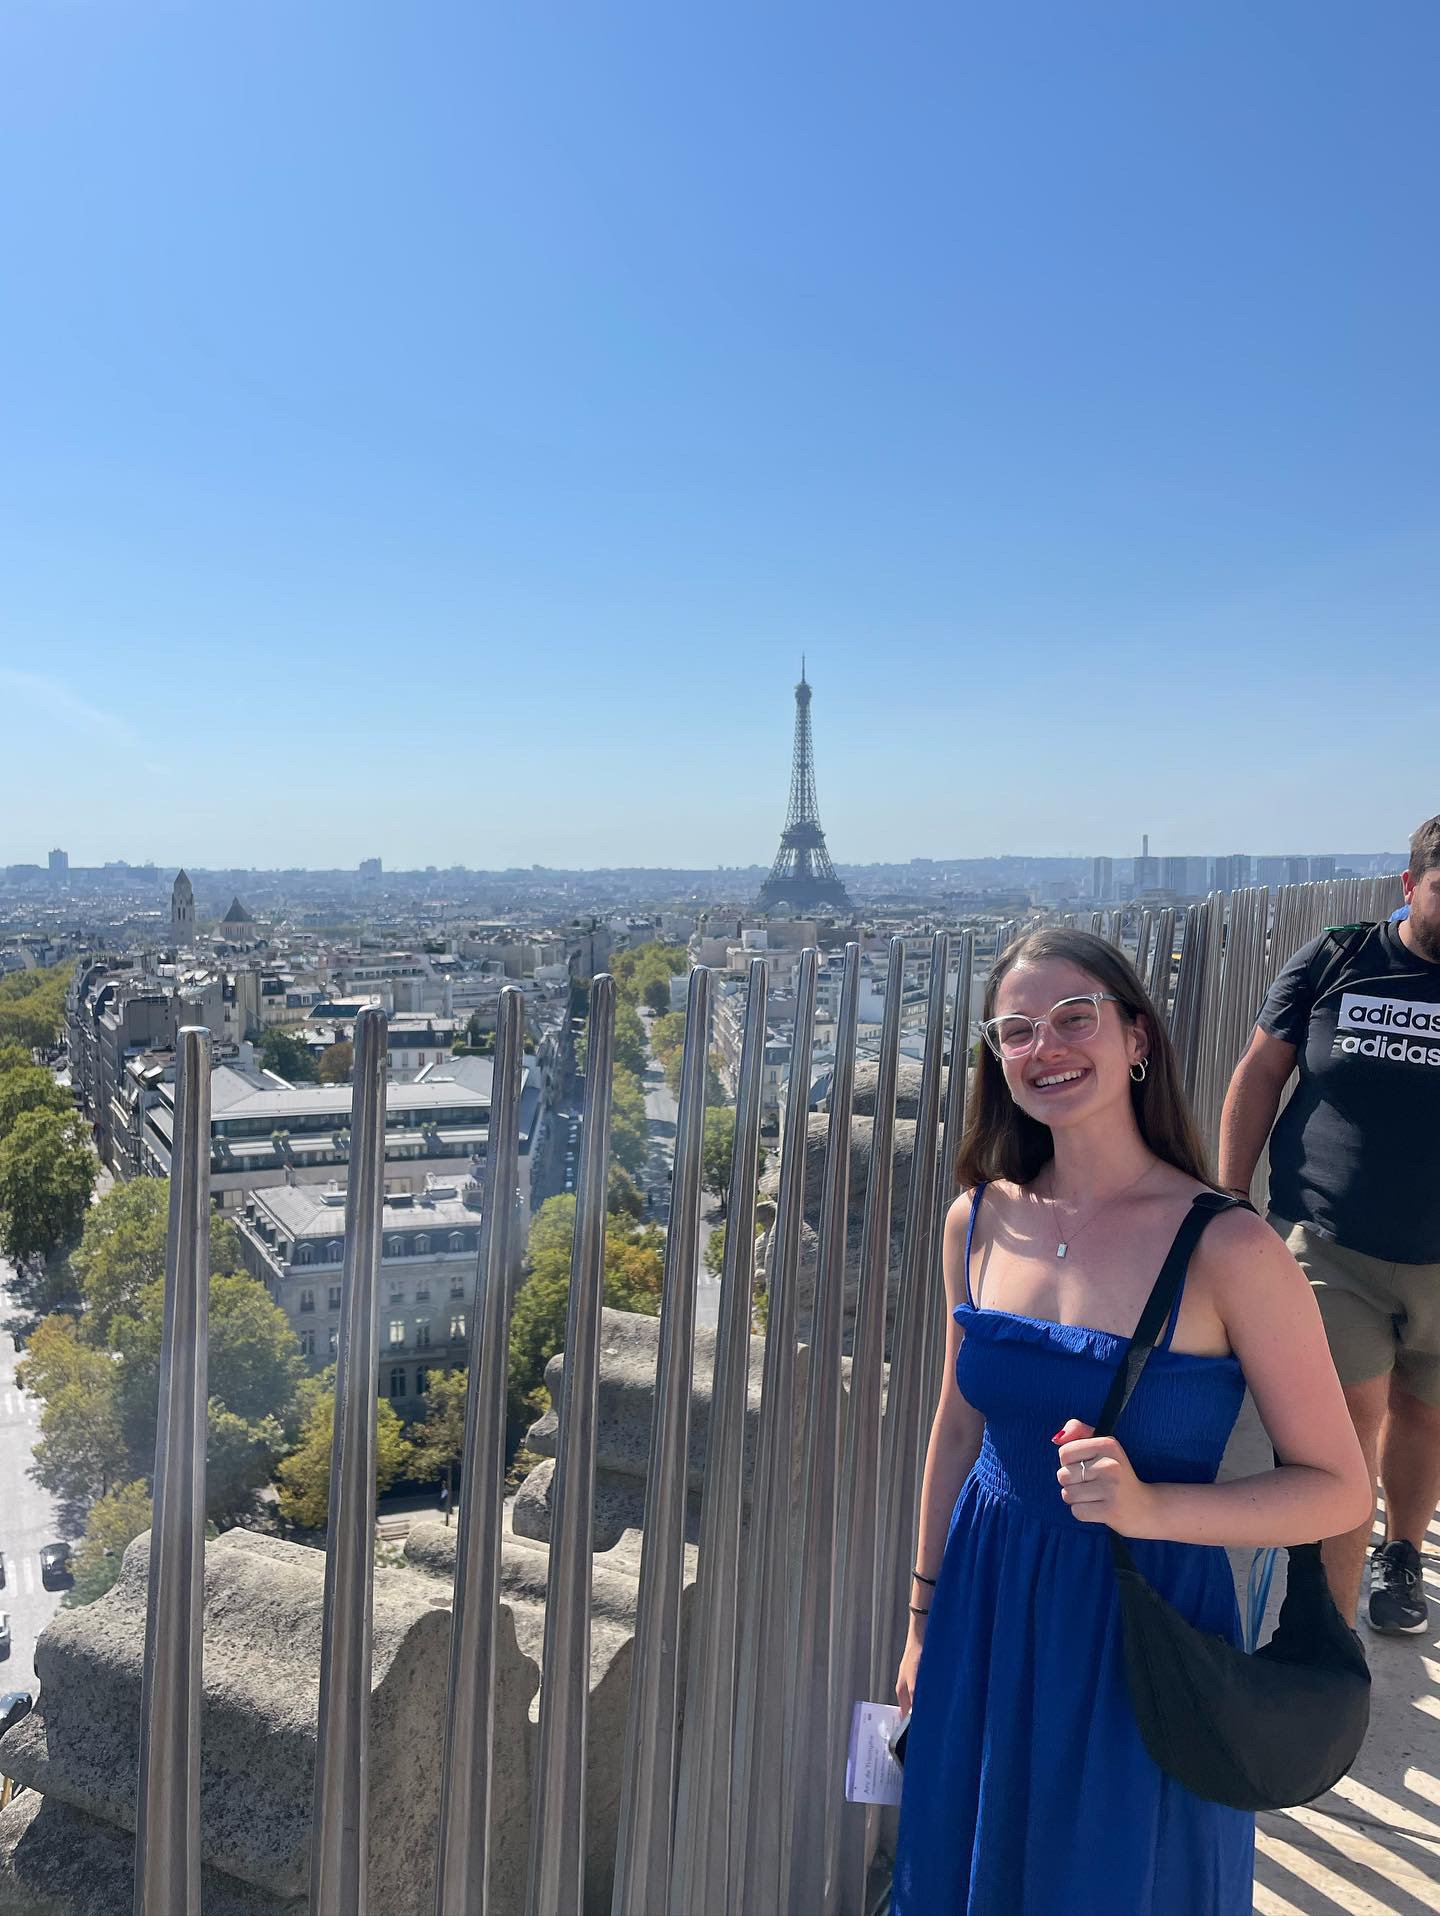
{"points": [[1355, 1191]]}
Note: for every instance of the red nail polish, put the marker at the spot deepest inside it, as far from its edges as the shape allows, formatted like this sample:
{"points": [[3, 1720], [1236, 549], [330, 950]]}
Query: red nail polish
{"points": [[1059, 1436]]}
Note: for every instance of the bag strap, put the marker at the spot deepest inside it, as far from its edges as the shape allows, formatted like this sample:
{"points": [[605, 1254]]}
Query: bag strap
{"points": [[1337, 947], [1159, 1304]]}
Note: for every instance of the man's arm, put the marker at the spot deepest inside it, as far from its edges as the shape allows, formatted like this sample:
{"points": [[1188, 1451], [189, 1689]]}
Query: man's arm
{"points": [[1250, 1107]]}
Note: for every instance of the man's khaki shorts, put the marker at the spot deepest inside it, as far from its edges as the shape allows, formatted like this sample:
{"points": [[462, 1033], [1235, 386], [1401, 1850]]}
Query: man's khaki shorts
{"points": [[1379, 1317]]}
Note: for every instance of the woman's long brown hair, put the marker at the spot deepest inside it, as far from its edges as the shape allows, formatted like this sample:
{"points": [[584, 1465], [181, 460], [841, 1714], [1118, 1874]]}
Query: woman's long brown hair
{"points": [[1002, 1141]]}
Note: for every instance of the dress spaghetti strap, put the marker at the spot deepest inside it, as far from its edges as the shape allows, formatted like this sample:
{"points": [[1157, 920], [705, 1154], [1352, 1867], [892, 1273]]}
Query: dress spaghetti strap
{"points": [[975, 1197]]}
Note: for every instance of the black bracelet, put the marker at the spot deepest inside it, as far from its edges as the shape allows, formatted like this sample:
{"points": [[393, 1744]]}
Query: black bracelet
{"points": [[919, 1578], [917, 1613]]}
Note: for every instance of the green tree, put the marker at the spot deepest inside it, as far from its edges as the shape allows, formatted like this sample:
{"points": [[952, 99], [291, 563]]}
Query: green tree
{"points": [[622, 1195], [240, 1457], [47, 1172], [303, 1478], [629, 1134], [15, 1057], [656, 996], [288, 1057], [438, 1438], [634, 1276], [114, 1522], [630, 1052], [667, 1034], [718, 1150], [254, 1372], [32, 1007], [32, 1088], [634, 971], [337, 1061], [80, 1451], [714, 1086], [716, 1153], [122, 1251], [99, 1406]]}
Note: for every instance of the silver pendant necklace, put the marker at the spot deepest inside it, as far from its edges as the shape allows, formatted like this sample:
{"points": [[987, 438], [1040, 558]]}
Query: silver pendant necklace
{"points": [[1062, 1244]]}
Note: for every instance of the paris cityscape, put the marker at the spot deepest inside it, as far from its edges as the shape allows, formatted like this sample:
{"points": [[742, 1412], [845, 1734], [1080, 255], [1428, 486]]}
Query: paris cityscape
{"points": [[719, 920]]}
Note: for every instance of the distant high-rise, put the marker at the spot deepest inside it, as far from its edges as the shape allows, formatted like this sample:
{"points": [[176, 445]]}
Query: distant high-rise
{"points": [[1146, 868], [1232, 873], [369, 867], [1322, 868], [182, 910], [1297, 871], [802, 880], [1102, 880], [59, 867]]}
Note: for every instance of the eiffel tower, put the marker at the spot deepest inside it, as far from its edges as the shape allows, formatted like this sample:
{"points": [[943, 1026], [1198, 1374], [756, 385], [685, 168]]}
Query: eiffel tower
{"points": [[802, 880]]}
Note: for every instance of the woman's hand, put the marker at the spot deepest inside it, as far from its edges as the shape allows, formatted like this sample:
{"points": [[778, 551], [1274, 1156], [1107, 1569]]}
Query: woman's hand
{"points": [[1107, 1491], [909, 1664]]}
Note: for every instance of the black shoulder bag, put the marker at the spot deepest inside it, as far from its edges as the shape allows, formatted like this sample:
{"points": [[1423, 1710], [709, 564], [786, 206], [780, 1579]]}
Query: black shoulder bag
{"points": [[1258, 1732]]}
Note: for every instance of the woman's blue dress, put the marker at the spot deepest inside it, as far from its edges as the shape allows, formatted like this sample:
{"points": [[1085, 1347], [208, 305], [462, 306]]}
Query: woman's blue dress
{"points": [[1028, 1791]]}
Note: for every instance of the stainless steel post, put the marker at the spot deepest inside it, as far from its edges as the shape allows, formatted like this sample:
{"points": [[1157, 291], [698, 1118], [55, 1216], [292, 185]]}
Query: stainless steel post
{"points": [[808, 1741], [760, 1841], [850, 1829], [652, 1736], [339, 1859], [1161, 962], [462, 1885], [557, 1830], [956, 1091], [906, 1425], [699, 1871], [167, 1817]]}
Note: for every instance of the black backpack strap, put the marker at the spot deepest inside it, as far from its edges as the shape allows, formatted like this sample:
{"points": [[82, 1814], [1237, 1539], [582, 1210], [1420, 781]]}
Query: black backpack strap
{"points": [[1337, 947], [1160, 1303]]}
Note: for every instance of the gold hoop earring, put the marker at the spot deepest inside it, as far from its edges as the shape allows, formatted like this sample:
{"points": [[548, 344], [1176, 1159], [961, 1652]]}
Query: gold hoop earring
{"points": [[1141, 1071]]}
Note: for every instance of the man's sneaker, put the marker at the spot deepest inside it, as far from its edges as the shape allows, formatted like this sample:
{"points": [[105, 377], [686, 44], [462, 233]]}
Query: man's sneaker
{"points": [[1397, 1596]]}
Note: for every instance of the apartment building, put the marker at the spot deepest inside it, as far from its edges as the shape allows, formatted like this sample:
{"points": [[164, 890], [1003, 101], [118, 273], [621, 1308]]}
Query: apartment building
{"points": [[293, 1239]]}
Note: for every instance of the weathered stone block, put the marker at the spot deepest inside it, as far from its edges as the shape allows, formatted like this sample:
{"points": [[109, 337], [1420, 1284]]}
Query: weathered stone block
{"points": [[629, 1357], [263, 1602], [56, 1861], [614, 1590]]}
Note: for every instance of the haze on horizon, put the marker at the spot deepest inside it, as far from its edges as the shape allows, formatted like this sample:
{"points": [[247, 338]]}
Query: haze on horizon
{"points": [[439, 439]]}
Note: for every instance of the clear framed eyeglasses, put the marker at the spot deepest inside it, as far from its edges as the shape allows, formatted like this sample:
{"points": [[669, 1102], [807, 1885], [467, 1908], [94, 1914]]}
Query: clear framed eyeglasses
{"points": [[1073, 1020]]}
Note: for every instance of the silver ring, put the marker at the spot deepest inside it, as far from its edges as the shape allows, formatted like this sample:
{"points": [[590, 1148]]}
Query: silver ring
{"points": [[1083, 1462]]}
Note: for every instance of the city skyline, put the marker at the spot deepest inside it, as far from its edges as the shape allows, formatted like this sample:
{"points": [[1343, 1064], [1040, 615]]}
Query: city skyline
{"points": [[158, 871]]}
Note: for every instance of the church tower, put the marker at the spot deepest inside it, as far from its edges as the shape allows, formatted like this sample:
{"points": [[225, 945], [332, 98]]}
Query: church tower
{"points": [[182, 911]]}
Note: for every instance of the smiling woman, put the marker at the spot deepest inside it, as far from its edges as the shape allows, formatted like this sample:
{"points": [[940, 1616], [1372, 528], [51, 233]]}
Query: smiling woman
{"points": [[1093, 1180]]}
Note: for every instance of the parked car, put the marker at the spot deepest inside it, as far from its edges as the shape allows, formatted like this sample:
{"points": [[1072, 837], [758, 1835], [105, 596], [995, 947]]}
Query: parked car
{"points": [[55, 1566], [13, 1705], [4, 1633], [2, 1569]]}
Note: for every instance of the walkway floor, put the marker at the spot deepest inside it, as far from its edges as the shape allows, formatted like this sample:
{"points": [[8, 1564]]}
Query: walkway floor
{"points": [[1372, 1845]]}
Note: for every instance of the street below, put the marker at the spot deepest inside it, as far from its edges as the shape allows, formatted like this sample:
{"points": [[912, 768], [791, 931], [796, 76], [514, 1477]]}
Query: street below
{"points": [[28, 1515], [662, 1116]]}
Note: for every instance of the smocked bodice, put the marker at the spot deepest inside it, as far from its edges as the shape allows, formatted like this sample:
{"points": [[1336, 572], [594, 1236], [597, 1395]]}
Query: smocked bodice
{"points": [[1026, 1376]]}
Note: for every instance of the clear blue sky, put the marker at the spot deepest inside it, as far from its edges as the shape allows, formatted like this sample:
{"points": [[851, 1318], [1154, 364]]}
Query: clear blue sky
{"points": [[436, 431]]}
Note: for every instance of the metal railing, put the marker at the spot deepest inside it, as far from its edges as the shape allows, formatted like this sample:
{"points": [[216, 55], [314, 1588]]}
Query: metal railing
{"points": [[730, 1796]]}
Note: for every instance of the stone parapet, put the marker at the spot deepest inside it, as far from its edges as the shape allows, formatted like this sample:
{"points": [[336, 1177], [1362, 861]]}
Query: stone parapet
{"points": [[79, 1748], [629, 1357], [817, 1135]]}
